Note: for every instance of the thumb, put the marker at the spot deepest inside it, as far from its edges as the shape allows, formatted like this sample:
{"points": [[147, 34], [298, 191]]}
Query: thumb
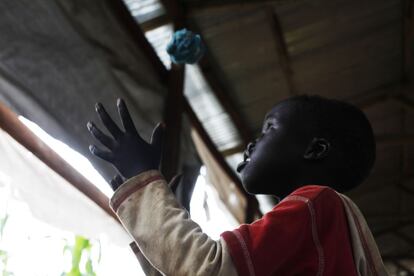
{"points": [[157, 137]]}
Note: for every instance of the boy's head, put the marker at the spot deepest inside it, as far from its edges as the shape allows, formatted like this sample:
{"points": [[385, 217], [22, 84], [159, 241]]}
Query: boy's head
{"points": [[309, 140]]}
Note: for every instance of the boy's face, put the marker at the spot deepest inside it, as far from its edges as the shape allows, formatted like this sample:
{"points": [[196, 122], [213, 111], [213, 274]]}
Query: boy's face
{"points": [[272, 162]]}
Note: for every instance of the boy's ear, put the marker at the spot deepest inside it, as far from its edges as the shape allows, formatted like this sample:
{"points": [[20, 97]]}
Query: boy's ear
{"points": [[317, 149]]}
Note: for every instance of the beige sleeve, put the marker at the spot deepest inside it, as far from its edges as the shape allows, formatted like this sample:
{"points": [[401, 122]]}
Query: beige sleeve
{"points": [[146, 266], [164, 232]]}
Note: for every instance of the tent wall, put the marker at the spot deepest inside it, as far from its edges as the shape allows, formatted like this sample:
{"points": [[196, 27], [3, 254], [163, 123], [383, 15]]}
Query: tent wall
{"points": [[57, 58]]}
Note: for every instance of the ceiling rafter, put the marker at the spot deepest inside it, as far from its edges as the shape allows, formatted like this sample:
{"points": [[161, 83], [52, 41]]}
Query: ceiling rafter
{"points": [[155, 22], [282, 49]]}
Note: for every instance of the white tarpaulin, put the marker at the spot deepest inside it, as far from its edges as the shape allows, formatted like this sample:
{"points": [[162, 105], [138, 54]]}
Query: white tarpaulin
{"points": [[50, 197]]}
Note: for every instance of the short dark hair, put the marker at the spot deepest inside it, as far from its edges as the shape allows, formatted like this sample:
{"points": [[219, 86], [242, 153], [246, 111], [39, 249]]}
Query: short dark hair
{"points": [[349, 131]]}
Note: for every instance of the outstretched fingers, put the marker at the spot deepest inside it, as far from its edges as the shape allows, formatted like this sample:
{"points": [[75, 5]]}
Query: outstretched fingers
{"points": [[100, 136], [126, 119], [103, 154], [107, 121]]}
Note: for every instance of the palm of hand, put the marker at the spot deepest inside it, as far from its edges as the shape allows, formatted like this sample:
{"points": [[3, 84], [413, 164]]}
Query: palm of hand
{"points": [[127, 151]]}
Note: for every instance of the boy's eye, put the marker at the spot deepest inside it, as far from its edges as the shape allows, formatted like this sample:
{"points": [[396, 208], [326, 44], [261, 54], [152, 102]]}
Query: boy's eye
{"points": [[267, 127], [270, 124]]}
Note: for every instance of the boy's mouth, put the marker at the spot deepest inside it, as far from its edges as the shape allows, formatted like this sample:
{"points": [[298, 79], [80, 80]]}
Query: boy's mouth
{"points": [[246, 159], [242, 164]]}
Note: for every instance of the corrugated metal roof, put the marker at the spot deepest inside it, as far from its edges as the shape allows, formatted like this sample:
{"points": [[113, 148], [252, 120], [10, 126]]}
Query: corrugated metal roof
{"points": [[208, 109], [144, 10]]}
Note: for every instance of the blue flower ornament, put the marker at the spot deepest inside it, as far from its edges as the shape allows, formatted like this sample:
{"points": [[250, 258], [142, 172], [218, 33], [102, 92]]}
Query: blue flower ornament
{"points": [[185, 47]]}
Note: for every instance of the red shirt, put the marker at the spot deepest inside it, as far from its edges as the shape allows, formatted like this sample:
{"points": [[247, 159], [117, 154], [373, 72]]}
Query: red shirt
{"points": [[305, 234]]}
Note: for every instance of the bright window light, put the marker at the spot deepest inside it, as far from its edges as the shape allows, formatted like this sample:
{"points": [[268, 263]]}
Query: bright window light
{"points": [[159, 38], [29, 246], [74, 158], [208, 211]]}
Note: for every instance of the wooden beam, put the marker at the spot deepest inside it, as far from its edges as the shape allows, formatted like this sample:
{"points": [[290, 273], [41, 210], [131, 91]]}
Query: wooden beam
{"points": [[10, 123], [233, 150], [155, 23], [137, 36], [173, 118], [176, 13], [252, 204], [282, 50]]}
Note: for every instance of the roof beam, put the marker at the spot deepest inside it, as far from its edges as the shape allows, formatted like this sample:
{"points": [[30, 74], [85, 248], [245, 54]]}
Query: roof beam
{"points": [[282, 50], [173, 120], [154, 23]]}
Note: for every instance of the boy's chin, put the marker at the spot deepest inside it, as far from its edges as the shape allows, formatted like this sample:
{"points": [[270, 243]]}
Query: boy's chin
{"points": [[252, 183], [260, 183]]}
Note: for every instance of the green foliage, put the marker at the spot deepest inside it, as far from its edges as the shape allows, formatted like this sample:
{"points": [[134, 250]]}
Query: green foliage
{"points": [[81, 249]]}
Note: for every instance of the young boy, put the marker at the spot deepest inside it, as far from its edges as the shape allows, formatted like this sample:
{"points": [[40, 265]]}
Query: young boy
{"points": [[311, 148]]}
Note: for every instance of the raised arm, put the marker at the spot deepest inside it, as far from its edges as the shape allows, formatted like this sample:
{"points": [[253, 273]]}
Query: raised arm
{"points": [[164, 232]]}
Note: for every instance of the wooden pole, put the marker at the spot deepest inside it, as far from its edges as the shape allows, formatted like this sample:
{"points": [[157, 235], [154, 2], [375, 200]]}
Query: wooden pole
{"points": [[173, 120]]}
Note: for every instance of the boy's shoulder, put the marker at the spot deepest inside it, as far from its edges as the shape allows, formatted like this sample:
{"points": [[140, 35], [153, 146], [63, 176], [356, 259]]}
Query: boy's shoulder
{"points": [[313, 193]]}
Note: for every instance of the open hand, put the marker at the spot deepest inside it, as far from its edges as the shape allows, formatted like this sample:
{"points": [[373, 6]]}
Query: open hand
{"points": [[127, 151]]}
